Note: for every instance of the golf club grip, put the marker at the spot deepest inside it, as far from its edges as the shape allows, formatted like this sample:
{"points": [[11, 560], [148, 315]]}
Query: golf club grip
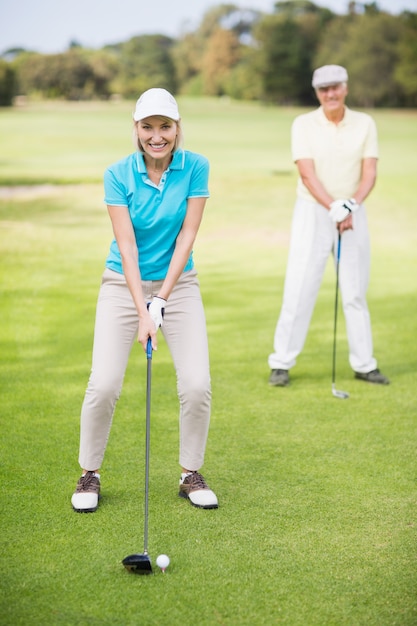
{"points": [[338, 247], [149, 348]]}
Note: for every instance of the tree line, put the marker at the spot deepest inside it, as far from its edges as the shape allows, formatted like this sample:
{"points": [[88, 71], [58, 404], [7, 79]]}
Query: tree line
{"points": [[244, 54]]}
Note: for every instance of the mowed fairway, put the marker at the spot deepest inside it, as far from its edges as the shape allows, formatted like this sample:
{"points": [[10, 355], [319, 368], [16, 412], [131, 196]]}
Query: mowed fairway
{"points": [[317, 524]]}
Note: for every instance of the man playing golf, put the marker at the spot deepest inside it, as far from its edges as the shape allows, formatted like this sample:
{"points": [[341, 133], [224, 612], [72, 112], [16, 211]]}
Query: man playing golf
{"points": [[155, 198], [336, 152]]}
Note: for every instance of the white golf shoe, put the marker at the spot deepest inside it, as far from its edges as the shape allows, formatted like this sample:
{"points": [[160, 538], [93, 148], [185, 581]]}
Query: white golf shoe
{"points": [[87, 493], [195, 489]]}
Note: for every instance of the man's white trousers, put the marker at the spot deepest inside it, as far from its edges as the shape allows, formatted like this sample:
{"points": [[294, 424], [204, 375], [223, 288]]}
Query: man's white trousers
{"points": [[313, 238]]}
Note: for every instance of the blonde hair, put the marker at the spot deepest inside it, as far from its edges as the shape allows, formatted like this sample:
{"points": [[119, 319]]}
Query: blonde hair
{"points": [[179, 140]]}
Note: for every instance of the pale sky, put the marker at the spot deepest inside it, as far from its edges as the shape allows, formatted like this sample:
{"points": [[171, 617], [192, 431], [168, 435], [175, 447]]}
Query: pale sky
{"points": [[48, 26]]}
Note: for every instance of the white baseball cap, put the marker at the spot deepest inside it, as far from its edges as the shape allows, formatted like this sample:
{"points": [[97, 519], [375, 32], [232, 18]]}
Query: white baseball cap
{"points": [[329, 75], [156, 101]]}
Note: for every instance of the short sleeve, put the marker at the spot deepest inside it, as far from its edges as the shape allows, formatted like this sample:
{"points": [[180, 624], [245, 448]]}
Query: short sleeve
{"points": [[300, 147], [199, 179], [370, 149], [114, 190]]}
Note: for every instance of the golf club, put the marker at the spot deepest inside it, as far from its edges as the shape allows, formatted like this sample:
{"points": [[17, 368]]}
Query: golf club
{"points": [[141, 563], [337, 392]]}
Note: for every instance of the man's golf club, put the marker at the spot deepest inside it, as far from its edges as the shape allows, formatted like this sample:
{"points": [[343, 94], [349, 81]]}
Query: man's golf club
{"points": [[141, 563], [337, 392]]}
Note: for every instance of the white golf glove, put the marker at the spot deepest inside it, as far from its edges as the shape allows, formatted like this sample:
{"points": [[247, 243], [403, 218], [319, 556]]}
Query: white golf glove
{"points": [[340, 209], [156, 310]]}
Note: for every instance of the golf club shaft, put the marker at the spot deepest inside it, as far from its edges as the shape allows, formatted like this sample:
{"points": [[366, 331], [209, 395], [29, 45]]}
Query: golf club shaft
{"points": [[147, 439], [339, 241]]}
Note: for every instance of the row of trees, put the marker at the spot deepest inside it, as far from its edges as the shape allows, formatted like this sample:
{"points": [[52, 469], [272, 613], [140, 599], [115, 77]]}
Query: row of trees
{"points": [[244, 54]]}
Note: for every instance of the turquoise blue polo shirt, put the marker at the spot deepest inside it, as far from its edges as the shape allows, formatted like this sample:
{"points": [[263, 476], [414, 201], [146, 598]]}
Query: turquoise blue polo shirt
{"points": [[157, 211]]}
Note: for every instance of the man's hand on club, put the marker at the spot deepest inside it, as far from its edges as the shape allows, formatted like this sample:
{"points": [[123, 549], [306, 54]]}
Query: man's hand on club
{"points": [[341, 209], [156, 310]]}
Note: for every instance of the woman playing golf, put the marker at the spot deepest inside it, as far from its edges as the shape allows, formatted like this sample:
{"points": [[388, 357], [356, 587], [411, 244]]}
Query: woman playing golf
{"points": [[155, 198]]}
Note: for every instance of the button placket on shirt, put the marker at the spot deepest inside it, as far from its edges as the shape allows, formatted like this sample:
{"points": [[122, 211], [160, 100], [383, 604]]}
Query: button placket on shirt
{"points": [[161, 184]]}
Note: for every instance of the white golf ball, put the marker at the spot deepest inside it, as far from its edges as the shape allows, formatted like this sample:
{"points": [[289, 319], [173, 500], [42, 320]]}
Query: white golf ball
{"points": [[162, 561]]}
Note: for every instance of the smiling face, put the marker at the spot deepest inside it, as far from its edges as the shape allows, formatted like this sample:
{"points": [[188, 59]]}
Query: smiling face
{"points": [[157, 136], [332, 99]]}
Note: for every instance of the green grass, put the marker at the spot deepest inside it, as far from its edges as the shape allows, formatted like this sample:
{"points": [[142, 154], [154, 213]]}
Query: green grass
{"points": [[317, 517]]}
